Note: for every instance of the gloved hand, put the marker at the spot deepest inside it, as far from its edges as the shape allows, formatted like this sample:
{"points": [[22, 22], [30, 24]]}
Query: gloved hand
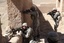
{"points": [[19, 33]]}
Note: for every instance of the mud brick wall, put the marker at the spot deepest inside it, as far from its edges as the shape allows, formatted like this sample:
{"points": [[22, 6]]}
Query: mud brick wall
{"points": [[15, 15]]}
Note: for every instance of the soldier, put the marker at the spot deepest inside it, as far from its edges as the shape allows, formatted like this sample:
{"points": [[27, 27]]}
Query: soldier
{"points": [[56, 17], [53, 37], [26, 33]]}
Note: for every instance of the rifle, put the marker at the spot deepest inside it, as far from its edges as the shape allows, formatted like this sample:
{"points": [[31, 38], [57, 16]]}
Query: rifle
{"points": [[15, 30]]}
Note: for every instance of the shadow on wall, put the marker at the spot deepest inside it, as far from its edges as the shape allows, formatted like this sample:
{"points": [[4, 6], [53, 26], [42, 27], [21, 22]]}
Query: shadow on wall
{"points": [[45, 26]]}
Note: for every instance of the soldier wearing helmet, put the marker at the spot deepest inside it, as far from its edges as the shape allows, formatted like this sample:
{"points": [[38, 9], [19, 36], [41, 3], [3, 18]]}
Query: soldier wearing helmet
{"points": [[55, 14], [26, 33]]}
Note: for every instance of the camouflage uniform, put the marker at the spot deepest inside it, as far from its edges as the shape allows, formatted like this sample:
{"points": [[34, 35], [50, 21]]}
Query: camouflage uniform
{"points": [[56, 17]]}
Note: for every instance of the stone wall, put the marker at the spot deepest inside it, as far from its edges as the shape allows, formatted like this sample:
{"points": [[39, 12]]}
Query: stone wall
{"points": [[15, 15]]}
